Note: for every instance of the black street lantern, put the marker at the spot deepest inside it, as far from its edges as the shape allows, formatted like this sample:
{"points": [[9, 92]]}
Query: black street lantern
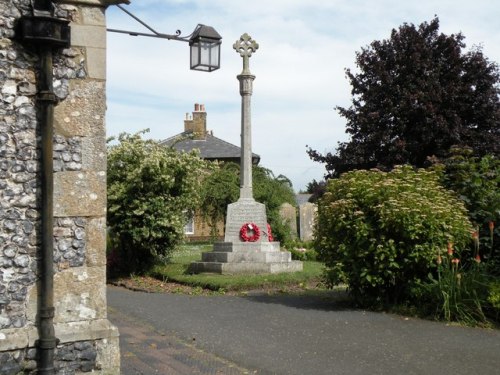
{"points": [[204, 43], [205, 49]]}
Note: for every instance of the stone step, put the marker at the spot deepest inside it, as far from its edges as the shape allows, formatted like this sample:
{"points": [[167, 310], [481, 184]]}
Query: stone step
{"points": [[246, 256], [245, 246], [246, 267]]}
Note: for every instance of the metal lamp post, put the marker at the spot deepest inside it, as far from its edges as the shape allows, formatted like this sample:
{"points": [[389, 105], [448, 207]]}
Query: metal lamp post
{"points": [[204, 43]]}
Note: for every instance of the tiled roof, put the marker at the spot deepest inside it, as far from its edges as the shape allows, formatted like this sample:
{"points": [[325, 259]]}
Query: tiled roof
{"points": [[210, 148]]}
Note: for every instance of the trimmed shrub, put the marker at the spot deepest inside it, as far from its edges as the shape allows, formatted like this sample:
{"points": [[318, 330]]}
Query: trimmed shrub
{"points": [[381, 232]]}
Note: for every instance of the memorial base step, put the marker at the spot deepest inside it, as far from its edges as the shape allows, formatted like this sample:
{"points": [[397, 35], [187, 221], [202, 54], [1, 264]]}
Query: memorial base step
{"points": [[245, 267], [246, 257]]}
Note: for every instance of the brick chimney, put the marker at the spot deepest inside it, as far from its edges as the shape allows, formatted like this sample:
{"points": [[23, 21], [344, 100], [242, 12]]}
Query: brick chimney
{"points": [[197, 124]]}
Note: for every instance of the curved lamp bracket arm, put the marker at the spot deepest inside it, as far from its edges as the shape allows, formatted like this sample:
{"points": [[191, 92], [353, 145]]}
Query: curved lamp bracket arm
{"points": [[155, 34]]}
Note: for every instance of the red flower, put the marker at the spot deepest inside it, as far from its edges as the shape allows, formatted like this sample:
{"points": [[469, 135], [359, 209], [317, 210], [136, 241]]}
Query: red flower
{"points": [[450, 248], [475, 235], [491, 224], [477, 258], [269, 234], [455, 261]]}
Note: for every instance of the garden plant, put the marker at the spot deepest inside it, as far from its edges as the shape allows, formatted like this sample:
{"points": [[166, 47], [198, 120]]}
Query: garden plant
{"points": [[150, 190], [380, 232], [400, 238]]}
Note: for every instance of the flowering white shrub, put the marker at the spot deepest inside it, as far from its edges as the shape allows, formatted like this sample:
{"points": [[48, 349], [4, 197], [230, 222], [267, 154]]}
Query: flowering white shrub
{"points": [[380, 232], [150, 189]]}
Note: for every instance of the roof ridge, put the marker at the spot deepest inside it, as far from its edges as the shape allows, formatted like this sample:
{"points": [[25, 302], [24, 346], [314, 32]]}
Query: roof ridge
{"points": [[174, 137], [220, 139]]}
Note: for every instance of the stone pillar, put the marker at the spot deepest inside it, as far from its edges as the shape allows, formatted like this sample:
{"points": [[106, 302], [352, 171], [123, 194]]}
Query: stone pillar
{"points": [[88, 342], [245, 47]]}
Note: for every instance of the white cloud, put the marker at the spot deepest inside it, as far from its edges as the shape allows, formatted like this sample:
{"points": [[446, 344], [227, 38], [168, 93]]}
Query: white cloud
{"points": [[299, 67]]}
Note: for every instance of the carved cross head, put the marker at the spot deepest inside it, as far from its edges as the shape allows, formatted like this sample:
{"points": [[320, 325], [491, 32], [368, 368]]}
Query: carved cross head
{"points": [[245, 46]]}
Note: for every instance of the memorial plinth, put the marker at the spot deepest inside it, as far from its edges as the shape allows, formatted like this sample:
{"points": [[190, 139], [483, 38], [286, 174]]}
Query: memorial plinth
{"points": [[238, 254], [235, 256]]}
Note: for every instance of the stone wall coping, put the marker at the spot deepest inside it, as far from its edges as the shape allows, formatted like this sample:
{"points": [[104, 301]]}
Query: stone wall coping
{"points": [[20, 338], [100, 3]]}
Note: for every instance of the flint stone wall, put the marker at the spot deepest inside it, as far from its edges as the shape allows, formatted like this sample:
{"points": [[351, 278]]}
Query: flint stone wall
{"points": [[79, 194]]}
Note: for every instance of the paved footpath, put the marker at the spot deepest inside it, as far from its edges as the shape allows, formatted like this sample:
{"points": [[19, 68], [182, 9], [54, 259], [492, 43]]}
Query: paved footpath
{"points": [[179, 334], [145, 350]]}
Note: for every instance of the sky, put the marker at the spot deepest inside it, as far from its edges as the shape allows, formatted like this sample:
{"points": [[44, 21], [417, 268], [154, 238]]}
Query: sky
{"points": [[304, 48]]}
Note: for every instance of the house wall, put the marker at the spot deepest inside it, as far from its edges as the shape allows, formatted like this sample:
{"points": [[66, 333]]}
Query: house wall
{"points": [[203, 231], [88, 342]]}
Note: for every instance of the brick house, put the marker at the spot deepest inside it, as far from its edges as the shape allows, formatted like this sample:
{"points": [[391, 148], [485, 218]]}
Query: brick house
{"points": [[196, 136]]}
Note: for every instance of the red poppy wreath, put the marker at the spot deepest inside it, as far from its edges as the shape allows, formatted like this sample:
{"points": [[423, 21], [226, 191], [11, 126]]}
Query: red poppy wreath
{"points": [[249, 232]]}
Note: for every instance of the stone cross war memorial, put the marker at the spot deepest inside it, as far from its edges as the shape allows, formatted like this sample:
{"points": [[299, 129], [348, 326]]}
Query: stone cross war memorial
{"points": [[248, 245]]}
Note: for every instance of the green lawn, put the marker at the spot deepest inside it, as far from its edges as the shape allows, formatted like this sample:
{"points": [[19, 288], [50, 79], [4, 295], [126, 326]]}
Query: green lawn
{"points": [[176, 270]]}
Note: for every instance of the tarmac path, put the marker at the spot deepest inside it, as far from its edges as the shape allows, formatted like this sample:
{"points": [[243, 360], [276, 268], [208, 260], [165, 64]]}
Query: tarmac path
{"points": [[288, 335]]}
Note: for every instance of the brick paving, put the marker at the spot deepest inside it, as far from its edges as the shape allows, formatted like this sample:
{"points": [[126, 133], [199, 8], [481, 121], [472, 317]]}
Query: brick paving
{"points": [[147, 352]]}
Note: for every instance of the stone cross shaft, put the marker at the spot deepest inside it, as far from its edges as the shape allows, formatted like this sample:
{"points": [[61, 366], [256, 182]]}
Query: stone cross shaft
{"points": [[246, 46]]}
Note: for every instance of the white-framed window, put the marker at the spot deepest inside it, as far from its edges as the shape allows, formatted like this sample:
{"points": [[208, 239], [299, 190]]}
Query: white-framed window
{"points": [[189, 227]]}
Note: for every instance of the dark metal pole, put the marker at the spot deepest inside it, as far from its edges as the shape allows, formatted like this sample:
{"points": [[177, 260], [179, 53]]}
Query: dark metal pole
{"points": [[46, 98], [44, 33]]}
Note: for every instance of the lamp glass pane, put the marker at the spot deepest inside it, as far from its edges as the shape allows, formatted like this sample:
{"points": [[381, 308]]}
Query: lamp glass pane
{"points": [[194, 55], [216, 55], [205, 55]]}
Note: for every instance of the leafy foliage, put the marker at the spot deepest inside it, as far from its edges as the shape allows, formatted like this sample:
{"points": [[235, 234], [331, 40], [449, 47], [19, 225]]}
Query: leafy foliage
{"points": [[303, 254], [273, 191], [415, 95], [219, 188], [150, 189], [317, 189], [458, 293], [477, 183], [494, 299], [222, 187], [381, 232]]}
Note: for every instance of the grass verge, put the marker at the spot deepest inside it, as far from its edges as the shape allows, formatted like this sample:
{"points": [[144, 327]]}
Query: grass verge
{"points": [[176, 270]]}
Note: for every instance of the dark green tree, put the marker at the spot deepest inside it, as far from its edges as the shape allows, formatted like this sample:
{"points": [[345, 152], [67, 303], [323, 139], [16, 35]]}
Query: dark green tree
{"points": [[317, 189], [219, 188], [273, 191], [415, 95]]}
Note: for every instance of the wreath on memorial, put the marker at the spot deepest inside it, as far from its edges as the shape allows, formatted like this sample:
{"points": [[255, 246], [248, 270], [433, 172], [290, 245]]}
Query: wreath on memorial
{"points": [[254, 232], [269, 234]]}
